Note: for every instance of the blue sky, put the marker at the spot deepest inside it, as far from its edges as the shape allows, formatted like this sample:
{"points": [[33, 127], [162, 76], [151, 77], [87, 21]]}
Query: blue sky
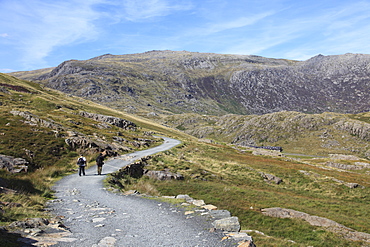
{"points": [[37, 34]]}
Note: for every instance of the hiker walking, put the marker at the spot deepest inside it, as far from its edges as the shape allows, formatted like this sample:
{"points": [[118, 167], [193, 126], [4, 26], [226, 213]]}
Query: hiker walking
{"points": [[100, 163], [81, 162]]}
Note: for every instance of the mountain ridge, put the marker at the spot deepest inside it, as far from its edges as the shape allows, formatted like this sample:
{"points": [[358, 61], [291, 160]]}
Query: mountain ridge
{"points": [[171, 82]]}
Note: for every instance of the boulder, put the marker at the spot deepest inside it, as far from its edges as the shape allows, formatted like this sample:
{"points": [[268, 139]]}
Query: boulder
{"points": [[220, 214], [247, 244], [198, 203], [243, 238], [185, 197], [352, 185], [271, 178], [134, 170], [230, 224], [209, 207]]}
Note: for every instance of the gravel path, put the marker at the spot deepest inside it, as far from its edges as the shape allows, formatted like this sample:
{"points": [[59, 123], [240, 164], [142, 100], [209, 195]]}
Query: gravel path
{"points": [[97, 217]]}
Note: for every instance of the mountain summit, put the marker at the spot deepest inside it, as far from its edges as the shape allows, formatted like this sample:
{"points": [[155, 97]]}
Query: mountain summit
{"points": [[206, 83]]}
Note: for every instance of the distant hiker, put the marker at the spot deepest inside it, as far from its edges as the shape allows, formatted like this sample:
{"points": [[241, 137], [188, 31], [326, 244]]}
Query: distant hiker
{"points": [[81, 162], [100, 163]]}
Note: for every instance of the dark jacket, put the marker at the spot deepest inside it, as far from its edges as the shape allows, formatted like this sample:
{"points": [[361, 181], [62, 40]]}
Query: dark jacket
{"points": [[99, 160]]}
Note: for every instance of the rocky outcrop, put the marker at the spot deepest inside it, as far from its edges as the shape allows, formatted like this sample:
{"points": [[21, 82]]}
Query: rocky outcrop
{"points": [[80, 143], [119, 122], [267, 152], [343, 157], [324, 130], [354, 127], [344, 166], [37, 121], [32, 119], [163, 175], [328, 224], [12, 164], [76, 140]]}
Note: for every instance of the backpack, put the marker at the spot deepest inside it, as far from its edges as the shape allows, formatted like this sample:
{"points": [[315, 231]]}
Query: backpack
{"points": [[99, 160], [80, 161]]}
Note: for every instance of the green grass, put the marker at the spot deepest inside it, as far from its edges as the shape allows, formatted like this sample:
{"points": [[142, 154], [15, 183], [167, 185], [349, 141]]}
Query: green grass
{"points": [[221, 176]]}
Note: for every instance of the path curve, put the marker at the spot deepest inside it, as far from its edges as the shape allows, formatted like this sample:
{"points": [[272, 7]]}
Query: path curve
{"points": [[97, 217]]}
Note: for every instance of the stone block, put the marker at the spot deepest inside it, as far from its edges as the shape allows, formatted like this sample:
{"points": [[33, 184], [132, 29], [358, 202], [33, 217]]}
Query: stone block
{"points": [[220, 214], [230, 224]]}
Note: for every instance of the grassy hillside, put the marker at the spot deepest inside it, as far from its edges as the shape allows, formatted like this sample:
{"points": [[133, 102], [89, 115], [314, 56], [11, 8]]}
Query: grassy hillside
{"points": [[227, 176], [45, 148]]}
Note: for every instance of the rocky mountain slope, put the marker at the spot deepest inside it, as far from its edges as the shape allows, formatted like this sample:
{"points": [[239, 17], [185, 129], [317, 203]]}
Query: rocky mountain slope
{"points": [[295, 132], [185, 82]]}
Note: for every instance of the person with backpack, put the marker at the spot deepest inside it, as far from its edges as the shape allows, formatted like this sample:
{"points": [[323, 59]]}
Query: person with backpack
{"points": [[100, 163], [81, 162]]}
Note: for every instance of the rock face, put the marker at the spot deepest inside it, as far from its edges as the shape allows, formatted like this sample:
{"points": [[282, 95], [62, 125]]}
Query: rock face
{"points": [[12, 164], [161, 81], [119, 122]]}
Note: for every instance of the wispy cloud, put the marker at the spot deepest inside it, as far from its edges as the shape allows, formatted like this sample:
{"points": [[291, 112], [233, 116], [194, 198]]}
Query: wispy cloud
{"points": [[239, 22], [215, 32], [34, 32], [331, 31], [41, 26], [138, 10]]}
